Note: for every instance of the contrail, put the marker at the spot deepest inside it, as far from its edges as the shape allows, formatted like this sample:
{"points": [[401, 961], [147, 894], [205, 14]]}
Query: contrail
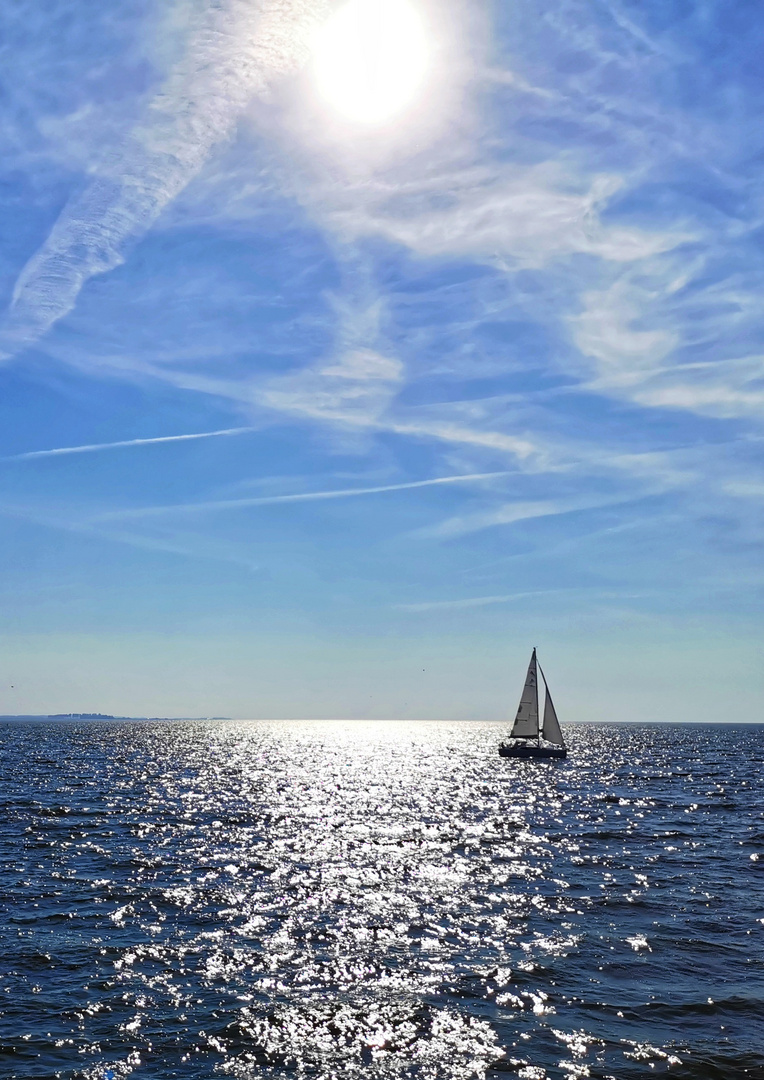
{"points": [[90, 448], [305, 496], [238, 48]]}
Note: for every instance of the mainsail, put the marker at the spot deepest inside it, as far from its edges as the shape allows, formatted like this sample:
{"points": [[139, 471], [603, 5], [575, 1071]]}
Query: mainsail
{"points": [[526, 724]]}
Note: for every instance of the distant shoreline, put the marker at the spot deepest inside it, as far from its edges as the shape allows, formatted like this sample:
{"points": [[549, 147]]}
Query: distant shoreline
{"points": [[100, 716]]}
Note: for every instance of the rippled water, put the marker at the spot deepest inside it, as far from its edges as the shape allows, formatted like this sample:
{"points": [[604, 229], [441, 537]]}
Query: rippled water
{"points": [[279, 900]]}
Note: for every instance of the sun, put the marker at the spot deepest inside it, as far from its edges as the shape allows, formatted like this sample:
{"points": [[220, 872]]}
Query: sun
{"points": [[371, 58]]}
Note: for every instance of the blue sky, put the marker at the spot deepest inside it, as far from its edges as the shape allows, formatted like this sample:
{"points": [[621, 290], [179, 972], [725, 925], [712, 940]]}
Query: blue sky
{"points": [[488, 375]]}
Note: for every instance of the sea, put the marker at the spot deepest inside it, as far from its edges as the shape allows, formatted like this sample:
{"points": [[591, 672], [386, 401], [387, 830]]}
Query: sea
{"points": [[289, 899]]}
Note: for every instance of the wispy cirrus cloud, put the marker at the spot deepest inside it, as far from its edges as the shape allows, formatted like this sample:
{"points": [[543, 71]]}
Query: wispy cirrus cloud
{"points": [[358, 392], [236, 50], [667, 337], [476, 601], [511, 598], [507, 513], [297, 497], [77, 521], [532, 216]]}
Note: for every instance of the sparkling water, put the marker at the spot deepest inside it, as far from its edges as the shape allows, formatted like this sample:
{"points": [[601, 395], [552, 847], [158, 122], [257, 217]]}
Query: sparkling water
{"points": [[380, 900]]}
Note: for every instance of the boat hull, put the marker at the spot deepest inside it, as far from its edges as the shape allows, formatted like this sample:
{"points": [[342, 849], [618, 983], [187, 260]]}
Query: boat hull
{"points": [[521, 750]]}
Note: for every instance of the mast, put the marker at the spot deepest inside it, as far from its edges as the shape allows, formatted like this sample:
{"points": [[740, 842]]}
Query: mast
{"points": [[538, 736]]}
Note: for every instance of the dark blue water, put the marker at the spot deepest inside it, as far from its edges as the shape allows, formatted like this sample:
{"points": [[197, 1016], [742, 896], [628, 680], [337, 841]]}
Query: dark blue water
{"points": [[328, 900]]}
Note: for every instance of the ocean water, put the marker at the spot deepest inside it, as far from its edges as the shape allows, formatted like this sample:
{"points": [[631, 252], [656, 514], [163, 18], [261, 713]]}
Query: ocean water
{"points": [[288, 899]]}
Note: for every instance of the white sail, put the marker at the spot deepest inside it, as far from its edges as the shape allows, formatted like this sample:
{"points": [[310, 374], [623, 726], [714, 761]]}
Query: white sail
{"points": [[526, 724], [551, 729]]}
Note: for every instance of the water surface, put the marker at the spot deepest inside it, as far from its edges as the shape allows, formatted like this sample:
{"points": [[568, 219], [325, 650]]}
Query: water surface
{"points": [[289, 899]]}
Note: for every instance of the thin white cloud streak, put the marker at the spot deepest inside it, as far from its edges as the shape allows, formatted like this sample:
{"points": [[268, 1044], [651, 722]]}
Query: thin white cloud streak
{"points": [[508, 598], [196, 548], [651, 475], [744, 489], [91, 448], [439, 430], [510, 514], [305, 496], [237, 49], [475, 601]]}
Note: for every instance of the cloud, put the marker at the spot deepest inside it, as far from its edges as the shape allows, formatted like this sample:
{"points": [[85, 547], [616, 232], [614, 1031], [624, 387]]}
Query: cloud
{"points": [[669, 334], [735, 389], [356, 389], [236, 50], [475, 601], [192, 546], [96, 447], [304, 496], [606, 332], [510, 598], [447, 431], [744, 489], [359, 391], [507, 514], [361, 405], [530, 215]]}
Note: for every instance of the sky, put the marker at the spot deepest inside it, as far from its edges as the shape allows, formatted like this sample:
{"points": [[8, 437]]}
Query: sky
{"points": [[320, 404]]}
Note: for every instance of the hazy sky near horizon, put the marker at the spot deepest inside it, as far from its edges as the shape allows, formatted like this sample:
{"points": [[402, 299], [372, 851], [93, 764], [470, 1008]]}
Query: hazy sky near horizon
{"points": [[306, 411]]}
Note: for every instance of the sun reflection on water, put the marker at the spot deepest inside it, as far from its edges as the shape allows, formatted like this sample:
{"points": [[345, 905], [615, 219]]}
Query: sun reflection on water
{"points": [[381, 900]]}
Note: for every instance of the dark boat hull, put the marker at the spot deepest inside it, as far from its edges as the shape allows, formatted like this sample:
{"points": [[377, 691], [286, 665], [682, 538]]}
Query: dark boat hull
{"points": [[524, 751]]}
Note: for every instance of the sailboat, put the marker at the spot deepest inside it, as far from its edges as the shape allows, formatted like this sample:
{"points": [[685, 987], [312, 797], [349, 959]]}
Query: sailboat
{"points": [[526, 736]]}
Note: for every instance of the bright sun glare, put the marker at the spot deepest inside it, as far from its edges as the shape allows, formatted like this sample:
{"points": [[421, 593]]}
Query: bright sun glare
{"points": [[371, 57]]}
